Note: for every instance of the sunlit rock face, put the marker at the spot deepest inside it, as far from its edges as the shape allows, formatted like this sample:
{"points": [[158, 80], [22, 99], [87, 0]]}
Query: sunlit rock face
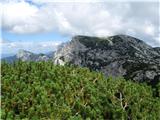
{"points": [[29, 56], [25, 55], [119, 55]]}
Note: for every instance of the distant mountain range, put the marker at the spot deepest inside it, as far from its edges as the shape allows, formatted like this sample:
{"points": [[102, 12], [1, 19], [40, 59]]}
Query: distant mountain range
{"points": [[118, 55], [29, 56]]}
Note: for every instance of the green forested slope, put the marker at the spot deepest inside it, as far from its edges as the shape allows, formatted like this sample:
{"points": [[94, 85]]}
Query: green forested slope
{"points": [[41, 90]]}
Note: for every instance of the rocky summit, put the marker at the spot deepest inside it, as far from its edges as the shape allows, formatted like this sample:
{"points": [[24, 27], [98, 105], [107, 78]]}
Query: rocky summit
{"points": [[118, 55], [29, 56]]}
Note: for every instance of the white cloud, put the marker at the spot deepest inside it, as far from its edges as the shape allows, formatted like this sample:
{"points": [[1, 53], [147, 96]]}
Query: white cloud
{"points": [[25, 18], [21, 17], [157, 40], [43, 47], [87, 1], [101, 19], [49, 44], [2, 41], [149, 29]]}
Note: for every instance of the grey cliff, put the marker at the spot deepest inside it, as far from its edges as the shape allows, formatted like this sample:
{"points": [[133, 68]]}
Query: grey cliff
{"points": [[119, 55]]}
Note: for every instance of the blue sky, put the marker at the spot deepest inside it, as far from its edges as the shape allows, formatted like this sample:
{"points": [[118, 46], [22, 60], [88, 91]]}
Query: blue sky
{"points": [[40, 26], [37, 43], [12, 37]]}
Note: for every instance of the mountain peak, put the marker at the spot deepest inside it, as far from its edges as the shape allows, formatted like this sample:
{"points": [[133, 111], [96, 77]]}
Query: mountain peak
{"points": [[24, 55], [120, 38], [119, 55]]}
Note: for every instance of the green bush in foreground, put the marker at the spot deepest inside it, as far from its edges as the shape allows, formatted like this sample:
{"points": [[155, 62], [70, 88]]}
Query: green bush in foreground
{"points": [[41, 90]]}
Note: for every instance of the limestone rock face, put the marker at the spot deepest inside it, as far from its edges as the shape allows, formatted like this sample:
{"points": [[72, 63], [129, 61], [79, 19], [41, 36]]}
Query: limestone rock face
{"points": [[25, 55], [119, 55], [29, 56]]}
